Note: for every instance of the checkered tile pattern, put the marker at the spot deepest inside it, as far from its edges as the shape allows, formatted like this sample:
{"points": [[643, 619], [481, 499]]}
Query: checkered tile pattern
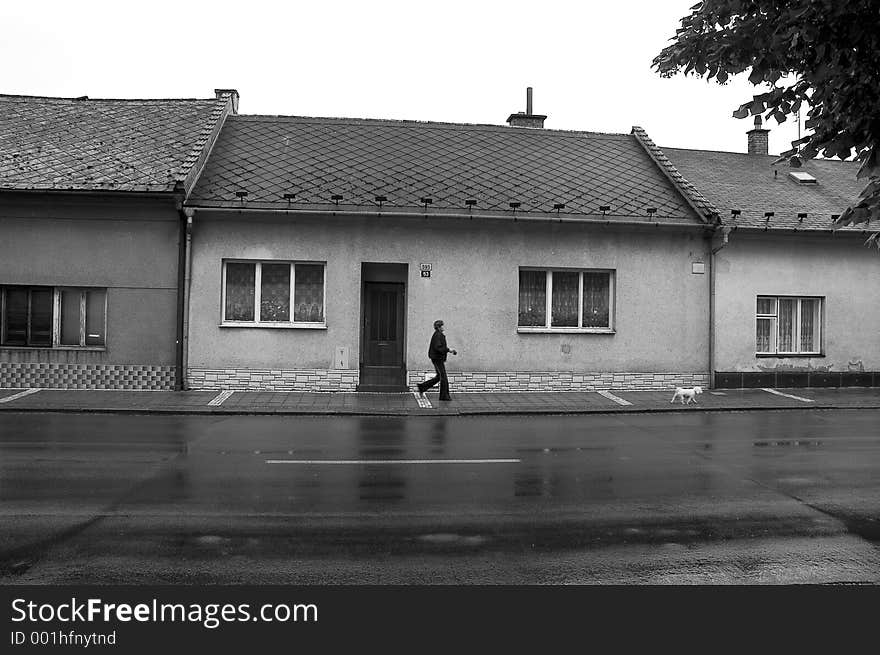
{"points": [[465, 381], [405, 161], [86, 376]]}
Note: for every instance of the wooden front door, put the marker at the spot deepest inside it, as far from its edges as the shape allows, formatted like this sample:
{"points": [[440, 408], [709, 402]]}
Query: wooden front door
{"points": [[383, 368]]}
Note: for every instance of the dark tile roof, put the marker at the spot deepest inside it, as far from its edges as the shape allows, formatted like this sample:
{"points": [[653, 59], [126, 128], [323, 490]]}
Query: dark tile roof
{"points": [[359, 159], [755, 185], [108, 145], [699, 202]]}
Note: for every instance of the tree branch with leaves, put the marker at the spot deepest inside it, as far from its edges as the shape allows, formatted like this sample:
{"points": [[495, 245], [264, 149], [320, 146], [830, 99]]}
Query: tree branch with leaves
{"points": [[823, 55]]}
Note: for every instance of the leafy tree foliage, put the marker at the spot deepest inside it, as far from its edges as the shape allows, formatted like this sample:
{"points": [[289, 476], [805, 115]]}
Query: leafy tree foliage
{"points": [[823, 55]]}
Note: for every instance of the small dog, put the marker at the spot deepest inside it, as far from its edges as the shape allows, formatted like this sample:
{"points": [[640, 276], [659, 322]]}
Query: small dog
{"points": [[689, 394]]}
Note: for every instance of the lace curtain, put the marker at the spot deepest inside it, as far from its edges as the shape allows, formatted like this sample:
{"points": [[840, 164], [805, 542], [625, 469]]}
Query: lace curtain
{"points": [[564, 304], [532, 298], [275, 292], [309, 293], [786, 325], [597, 288], [240, 291]]}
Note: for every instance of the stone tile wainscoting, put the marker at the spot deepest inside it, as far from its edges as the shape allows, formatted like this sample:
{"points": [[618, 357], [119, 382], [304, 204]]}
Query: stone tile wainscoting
{"points": [[464, 381], [252, 379], [86, 376]]}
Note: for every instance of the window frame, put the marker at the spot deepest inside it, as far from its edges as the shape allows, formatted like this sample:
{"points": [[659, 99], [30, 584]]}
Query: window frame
{"points": [[257, 323], [56, 317], [774, 322], [548, 328]]}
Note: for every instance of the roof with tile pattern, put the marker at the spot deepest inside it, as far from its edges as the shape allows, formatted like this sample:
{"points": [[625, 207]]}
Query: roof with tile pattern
{"points": [[755, 185], [62, 144], [267, 157]]}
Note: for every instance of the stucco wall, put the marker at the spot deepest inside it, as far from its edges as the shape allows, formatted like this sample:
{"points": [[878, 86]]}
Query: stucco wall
{"points": [[128, 246], [840, 268], [661, 307]]}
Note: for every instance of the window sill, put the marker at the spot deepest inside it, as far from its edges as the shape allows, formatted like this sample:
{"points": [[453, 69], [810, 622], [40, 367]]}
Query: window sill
{"points": [[54, 348], [276, 326], [540, 330], [789, 355]]}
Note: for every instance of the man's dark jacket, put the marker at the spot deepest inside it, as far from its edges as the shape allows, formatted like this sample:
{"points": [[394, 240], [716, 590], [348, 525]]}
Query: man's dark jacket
{"points": [[438, 348]]}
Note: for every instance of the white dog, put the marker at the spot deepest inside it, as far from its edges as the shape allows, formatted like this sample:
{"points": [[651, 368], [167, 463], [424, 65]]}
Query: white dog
{"points": [[689, 394]]}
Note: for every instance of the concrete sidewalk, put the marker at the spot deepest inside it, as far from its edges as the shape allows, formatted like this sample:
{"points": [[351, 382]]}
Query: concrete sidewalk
{"points": [[407, 404]]}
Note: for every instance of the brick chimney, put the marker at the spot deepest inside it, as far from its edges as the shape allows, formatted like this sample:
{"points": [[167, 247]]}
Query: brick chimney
{"points": [[527, 119], [231, 92], [758, 142]]}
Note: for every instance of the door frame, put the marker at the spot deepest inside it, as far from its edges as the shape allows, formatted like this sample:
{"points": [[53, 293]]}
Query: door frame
{"points": [[384, 273]]}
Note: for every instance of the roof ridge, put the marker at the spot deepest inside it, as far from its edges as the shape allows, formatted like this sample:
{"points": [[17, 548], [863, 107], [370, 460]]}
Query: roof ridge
{"points": [[11, 96], [688, 190], [397, 122], [725, 152], [218, 115], [772, 158]]}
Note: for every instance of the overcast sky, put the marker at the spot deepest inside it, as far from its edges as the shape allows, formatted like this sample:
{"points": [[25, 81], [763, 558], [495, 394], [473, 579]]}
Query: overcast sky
{"points": [[462, 61]]}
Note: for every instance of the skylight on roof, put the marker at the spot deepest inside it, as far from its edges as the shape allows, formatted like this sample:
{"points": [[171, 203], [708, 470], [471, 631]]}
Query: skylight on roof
{"points": [[802, 177]]}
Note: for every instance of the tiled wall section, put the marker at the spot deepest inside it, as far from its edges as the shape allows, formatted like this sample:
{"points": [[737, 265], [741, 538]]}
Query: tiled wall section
{"points": [[86, 376], [462, 381], [346, 380], [272, 379]]}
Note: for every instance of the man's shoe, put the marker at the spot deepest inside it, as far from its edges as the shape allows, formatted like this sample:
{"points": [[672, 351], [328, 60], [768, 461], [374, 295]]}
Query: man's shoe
{"points": [[419, 393]]}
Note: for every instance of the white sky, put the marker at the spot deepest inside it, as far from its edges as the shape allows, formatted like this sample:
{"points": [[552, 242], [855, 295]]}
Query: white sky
{"points": [[463, 61]]}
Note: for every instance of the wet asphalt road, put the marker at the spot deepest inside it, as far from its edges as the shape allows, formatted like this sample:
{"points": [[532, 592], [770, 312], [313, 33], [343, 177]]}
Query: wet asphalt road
{"points": [[732, 497]]}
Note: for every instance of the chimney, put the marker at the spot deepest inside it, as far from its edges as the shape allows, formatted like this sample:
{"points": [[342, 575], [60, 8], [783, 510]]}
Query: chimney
{"points": [[527, 119], [219, 93], [758, 142]]}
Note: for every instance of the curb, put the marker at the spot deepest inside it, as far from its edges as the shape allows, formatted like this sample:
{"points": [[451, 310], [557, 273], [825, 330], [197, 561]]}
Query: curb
{"points": [[413, 413]]}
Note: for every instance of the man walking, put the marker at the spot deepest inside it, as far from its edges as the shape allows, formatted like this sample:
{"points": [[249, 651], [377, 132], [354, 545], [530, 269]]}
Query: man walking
{"points": [[437, 354]]}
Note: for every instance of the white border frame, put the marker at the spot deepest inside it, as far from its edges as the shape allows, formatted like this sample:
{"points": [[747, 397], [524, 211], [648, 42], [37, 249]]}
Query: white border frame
{"points": [[256, 323], [774, 318], [547, 327]]}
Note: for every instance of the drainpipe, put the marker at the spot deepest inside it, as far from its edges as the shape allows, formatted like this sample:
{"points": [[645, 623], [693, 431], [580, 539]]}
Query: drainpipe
{"points": [[187, 280], [724, 235], [181, 263]]}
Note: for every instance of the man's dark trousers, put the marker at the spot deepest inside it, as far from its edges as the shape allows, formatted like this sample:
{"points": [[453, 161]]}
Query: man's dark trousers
{"points": [[440, 368]]}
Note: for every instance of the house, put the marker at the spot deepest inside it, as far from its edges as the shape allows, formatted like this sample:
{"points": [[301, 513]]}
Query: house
{"points": [[795, 300], [323, 249], [91, 236]]}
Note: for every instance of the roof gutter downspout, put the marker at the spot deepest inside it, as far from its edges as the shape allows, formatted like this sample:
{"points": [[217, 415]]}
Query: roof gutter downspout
{"points": [[181, 262], [721, 237], [185, 296]]}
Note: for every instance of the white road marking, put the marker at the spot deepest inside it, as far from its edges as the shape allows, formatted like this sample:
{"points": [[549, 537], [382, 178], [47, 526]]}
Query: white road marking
{"points": [[788, 395], [617, 399], [220, 397], [392, 461], [21, 394], [424, 403]]}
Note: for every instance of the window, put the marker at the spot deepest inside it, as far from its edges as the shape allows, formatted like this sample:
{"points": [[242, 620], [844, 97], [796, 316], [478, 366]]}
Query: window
{"points": [[273, 294], [52, 317], [565, 300], [787, 325]]}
